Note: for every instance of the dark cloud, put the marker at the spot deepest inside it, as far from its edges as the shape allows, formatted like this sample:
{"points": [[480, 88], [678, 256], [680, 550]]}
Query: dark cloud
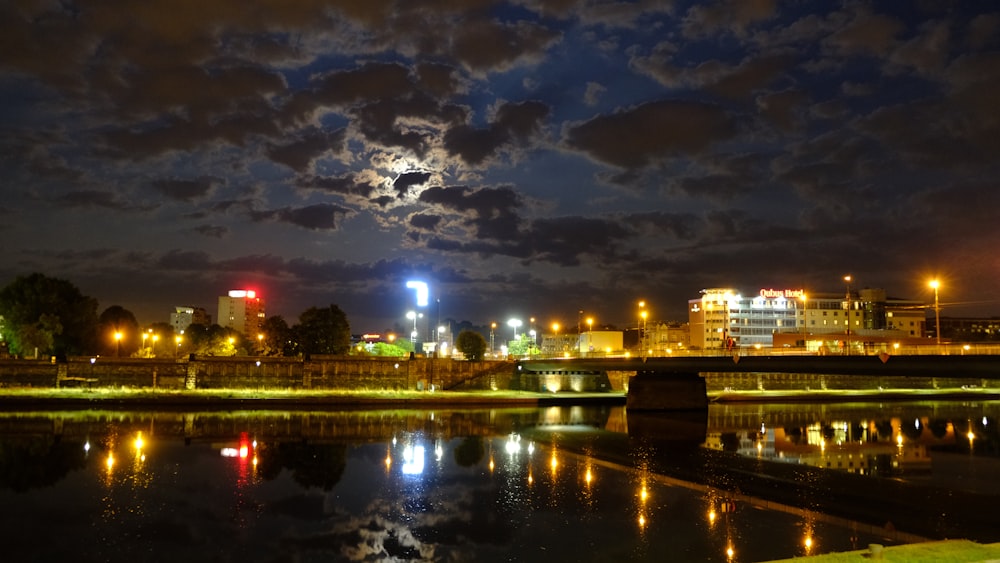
{"points": [[310, 145], [425, 222], [405, 181], [348, 185], [93, 198], [186, 190], [317, 217], [212, 231], [635, 137], [514, 122]]}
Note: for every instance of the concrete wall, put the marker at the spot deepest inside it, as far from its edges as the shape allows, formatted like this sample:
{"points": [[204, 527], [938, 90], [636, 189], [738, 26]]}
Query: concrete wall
{"points": [[319, 372]]}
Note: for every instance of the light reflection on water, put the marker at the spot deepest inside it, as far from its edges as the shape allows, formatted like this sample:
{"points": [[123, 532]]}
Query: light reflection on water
{"points": [[525, 484]]}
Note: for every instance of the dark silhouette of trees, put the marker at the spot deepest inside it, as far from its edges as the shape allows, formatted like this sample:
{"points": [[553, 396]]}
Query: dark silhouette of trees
{"points": [[117, 320], [47, 314], [472, 344], [323, 331], [278, 338]]}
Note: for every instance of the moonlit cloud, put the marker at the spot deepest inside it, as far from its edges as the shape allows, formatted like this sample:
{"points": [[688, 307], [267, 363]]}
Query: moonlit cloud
{"points": [[535, 157]]}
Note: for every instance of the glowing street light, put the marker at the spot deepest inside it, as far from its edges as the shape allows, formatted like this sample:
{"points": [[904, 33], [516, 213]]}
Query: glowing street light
{"points": [[937, 310], [514, 323], [177, 344], [642, 328], [413, 316], [847, 302], [118, 341]]}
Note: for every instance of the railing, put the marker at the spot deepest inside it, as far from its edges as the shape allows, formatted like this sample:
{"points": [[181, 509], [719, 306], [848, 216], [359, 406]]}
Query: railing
{"points": [[982, 349]]}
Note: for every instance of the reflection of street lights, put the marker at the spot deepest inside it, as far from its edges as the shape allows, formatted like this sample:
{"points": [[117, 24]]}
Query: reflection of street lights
{"points": [[937, 311]]}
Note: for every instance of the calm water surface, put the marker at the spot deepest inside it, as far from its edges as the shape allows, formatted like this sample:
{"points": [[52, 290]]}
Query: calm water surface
{"points": [[552, 484]]}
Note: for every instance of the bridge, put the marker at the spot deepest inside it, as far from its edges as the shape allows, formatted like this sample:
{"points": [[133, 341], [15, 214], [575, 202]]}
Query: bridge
{"points": [[676, 383]]}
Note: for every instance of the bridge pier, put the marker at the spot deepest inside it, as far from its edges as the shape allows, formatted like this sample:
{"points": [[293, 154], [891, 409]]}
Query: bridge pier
{"points": [[666, 391]]}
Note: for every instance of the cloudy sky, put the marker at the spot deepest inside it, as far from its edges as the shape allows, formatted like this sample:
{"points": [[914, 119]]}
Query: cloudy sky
{"points": [[525, 158]]}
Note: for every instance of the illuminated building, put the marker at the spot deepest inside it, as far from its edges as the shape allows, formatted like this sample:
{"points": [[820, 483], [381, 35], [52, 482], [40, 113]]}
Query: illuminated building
{"points": [[183, 317], [242, 310], [725, 319]]}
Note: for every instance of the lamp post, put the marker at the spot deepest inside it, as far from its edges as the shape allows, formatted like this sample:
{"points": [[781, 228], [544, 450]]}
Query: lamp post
{"points": [[642, 329], [413, 315], [847, 303], [493, 328], [260, 342], [118, 342], [177, 345], [514, 323], [937, 311]]}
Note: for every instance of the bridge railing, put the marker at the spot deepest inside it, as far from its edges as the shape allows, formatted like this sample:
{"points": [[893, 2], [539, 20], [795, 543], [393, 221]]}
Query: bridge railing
{"points": [[948, 349]]}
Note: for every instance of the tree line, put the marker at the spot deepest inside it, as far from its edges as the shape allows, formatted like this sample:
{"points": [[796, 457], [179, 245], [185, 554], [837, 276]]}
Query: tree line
{"points": [[43, 316]]}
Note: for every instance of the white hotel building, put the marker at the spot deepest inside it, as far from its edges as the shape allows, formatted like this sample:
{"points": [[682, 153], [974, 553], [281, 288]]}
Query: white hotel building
{"points": [[863, 320]]}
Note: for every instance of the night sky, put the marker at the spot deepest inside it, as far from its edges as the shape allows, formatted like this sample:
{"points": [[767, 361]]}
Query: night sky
{"points": [[525, 158]]}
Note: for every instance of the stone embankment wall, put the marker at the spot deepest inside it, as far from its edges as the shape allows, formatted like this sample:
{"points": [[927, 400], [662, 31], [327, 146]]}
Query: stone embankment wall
{"points": [[315, 373]]}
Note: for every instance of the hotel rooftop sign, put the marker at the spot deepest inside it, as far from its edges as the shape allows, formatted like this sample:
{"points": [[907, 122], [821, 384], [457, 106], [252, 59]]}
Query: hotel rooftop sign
{"points": [[782, 293]]}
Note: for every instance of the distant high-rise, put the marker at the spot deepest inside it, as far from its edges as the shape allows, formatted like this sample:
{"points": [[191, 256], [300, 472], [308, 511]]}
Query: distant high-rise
{"points": [[183, 317], [242, 310]]}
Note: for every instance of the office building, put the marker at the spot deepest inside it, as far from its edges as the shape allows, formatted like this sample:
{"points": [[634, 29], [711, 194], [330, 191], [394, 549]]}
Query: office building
{"points": [[242, 310]]}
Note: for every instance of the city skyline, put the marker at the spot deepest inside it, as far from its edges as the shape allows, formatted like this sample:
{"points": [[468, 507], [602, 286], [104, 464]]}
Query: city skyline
{"points": [[523, 158]]}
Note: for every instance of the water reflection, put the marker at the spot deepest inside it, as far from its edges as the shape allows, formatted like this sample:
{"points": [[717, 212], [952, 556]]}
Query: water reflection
{"points": [[554, 483], [897, 441]]}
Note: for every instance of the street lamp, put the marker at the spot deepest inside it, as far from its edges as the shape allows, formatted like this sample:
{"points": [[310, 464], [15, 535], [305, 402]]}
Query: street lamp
{"points": [[847, 302], [493, 328], [118, 341], [514, 323], [177, 344], [413, 316], [937, 311], [641, 328], [260, 342]]}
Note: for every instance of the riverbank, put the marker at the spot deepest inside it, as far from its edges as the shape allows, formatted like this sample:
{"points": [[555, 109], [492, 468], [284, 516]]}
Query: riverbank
{"points": [[949, 551], [124, 397]]}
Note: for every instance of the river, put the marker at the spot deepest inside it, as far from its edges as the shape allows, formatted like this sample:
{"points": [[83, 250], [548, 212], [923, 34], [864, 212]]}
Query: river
{"points": [[747, 482]]}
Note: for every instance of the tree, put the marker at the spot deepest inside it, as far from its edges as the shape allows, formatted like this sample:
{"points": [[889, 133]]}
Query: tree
{"points": [[118, 332], [48, 314], [323, 331], [472, 344], [523, 346], [214, 340], [277, 339]]}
